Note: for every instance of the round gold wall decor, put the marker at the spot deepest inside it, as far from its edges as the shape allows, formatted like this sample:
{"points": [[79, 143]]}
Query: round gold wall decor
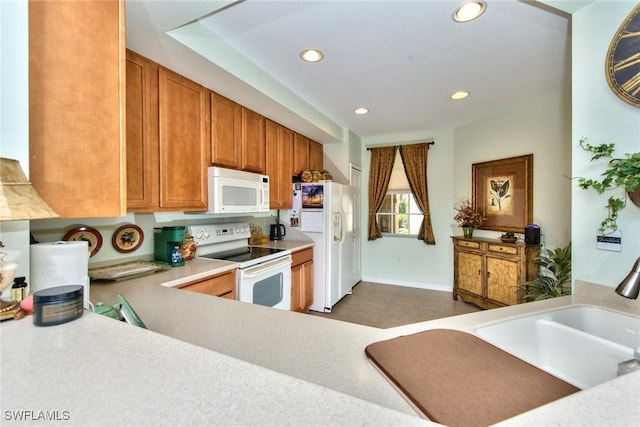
{"points": [[622, 65]]}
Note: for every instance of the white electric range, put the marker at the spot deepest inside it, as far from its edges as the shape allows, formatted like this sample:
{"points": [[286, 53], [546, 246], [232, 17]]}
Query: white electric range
{"points": [[264, 274]]}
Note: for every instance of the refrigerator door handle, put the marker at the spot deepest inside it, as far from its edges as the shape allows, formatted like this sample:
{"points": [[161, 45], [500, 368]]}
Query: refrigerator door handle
{"points": [[337, 222]]}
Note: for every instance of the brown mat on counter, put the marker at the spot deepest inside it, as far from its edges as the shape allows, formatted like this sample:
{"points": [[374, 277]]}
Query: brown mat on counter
{"points": [[457, 379]]}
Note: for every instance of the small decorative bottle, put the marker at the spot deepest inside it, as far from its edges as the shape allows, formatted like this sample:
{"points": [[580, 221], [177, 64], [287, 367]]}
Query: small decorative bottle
{"points": [[19, 289], [176, 256]]}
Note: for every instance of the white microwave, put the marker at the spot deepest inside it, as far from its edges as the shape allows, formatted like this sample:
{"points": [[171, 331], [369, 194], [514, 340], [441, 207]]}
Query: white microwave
{"points": [[233, 191]]}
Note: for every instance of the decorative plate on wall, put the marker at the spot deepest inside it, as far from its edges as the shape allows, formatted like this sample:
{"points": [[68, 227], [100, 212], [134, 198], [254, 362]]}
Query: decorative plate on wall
{"points": [[127, 238], [88, 234], [622, 65]]}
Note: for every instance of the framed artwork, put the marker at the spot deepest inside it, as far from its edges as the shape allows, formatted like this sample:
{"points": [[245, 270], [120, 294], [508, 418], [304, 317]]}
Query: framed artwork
{"points": [[503, 193]]}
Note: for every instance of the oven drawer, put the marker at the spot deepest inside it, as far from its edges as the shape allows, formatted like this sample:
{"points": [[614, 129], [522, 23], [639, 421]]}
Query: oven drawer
{"points": [[223, 285]]}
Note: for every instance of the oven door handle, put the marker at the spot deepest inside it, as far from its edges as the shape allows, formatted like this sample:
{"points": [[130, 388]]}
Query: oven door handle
{"points": [[269, 265]]}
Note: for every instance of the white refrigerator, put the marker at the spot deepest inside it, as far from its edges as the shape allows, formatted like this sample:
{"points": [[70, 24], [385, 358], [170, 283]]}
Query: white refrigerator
{"points": [[325, 213]]}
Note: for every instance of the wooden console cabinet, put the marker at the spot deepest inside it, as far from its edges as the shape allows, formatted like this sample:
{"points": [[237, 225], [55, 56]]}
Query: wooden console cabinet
{"points": [[487, 272], [302, 280], [222, 285]]}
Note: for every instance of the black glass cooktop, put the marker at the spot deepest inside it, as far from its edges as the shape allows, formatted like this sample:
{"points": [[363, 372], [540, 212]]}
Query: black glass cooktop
{"points": [[243, 254]]}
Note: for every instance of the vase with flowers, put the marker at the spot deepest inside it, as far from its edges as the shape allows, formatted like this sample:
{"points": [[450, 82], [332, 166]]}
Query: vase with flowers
{"points": [[467, 218]]}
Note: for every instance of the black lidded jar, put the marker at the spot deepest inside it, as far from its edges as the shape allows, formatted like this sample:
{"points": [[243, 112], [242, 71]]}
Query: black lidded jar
{"points": [[57, 305]]}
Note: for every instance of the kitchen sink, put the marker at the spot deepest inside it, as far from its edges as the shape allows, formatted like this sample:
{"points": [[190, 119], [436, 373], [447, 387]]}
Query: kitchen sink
{"points": [[581, 345]]}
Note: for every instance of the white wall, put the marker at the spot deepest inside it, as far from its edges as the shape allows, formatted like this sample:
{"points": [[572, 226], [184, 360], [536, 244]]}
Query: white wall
{"points": [[407, 260], [602, 117], [540, 126], [15, 116]]}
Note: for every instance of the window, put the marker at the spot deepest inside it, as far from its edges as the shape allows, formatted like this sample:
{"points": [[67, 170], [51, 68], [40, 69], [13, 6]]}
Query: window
{"points": [[399, 213]]}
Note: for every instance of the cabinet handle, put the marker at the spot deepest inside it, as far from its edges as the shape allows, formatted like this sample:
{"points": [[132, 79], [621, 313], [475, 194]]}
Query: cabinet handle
{"points": [[479, 272], [488, 273]]}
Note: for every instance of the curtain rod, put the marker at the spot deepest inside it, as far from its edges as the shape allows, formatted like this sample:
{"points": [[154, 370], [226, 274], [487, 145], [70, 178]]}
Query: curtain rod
{"points": [[381, 146]]}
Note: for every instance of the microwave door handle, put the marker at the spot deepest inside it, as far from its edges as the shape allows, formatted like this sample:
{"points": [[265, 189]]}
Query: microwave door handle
{"points": [[269, 265]]}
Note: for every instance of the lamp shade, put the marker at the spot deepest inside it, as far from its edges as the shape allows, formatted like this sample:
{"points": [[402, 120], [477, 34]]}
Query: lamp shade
{"points": [[18, 199]]}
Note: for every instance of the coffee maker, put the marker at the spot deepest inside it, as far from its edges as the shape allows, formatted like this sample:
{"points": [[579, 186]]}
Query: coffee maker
{"points": [[166, 245]]}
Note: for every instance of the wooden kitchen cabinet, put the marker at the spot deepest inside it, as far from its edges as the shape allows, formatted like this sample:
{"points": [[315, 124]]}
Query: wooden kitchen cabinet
{"points": [[226, 132], [487, 272], [222, 285], [253, 142], [300, 153], [316, 160], [76, 106], [237, 136], [279, 144], [302, 280], [168, 139], [307, 154], [184, 142], [143, 189]]}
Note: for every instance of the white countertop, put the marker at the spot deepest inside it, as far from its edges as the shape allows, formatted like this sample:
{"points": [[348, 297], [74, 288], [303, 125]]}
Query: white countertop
{"points": [[107, 372]]}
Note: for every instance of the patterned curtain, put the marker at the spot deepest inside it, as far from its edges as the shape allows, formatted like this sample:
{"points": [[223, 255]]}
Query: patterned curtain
{"points": [[379, 174], [414, 159]]}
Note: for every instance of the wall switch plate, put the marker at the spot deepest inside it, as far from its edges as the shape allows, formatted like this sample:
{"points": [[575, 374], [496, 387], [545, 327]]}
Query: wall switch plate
{"points": [[609, 240]]}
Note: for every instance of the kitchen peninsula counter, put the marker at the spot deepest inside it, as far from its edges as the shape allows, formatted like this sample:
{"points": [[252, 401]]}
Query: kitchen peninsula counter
{"points": [[205, 364]]}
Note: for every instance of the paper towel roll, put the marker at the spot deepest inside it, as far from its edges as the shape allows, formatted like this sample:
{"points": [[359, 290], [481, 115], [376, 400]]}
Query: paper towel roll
{"points": [[58, 264]]}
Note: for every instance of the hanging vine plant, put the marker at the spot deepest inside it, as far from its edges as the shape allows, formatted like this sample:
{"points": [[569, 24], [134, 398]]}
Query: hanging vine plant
{"points": [[620, 173]]}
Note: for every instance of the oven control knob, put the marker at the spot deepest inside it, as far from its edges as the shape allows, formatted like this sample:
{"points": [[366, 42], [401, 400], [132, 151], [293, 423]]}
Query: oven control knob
{"points": [[206, 234]]}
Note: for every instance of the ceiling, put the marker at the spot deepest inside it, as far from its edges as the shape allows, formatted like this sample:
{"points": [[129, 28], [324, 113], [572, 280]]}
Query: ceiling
{"points": [[400, 59]]}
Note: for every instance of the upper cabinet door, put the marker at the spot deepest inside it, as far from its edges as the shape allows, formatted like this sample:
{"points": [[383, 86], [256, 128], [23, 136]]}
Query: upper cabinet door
{"points": [[279, 143], [316, 161], [226, 132], [76, 106], [300, 153], [253, 141], [184, 142], [142, 134]]}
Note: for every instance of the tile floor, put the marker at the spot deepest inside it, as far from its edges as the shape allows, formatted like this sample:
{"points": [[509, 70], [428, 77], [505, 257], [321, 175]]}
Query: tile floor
{"points": [[387, 306]]}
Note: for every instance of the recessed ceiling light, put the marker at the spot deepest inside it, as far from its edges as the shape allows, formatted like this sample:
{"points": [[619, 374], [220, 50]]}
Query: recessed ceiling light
{"points": [[460, 95], [311, 55], [470, 10], [361, 110]]}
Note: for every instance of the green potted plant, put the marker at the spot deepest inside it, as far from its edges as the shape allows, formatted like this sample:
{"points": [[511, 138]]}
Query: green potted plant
{"points": [[621, 172], [554, 279]]}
